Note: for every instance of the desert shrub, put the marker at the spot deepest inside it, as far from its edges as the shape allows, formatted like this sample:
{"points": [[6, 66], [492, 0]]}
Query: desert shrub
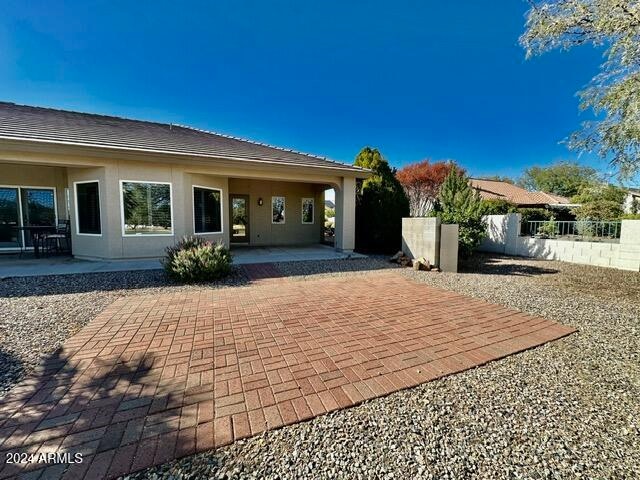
{"points": [[194, 259], [497, 206], [599, 210], [459, 203], [534, 214]]}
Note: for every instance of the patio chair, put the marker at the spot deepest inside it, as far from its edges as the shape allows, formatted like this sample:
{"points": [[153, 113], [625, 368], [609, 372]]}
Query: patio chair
{"points": [[60, 241]]}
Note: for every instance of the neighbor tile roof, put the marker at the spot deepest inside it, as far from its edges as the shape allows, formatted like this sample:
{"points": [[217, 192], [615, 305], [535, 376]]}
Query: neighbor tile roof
{"points": [[23, 122], [495, 189]]}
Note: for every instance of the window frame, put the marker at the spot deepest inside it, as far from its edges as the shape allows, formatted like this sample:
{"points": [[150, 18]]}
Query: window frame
{"points": [[122, 218], [313, 213], [75, 205], [21, 214], [284, 217], [193, 205]]}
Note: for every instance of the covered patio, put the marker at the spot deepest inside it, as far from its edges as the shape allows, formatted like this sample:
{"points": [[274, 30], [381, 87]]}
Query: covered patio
{"points": [[28, 266]]}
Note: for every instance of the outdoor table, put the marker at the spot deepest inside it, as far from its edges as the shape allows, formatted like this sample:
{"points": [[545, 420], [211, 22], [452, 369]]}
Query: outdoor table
{"points": [[34, 232]]}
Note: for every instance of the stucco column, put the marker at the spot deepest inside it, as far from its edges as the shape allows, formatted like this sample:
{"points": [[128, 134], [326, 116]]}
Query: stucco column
{"points": [[346, 215]]}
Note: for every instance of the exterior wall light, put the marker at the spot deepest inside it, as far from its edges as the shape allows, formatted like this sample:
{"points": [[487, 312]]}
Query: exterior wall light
{"points": [[260, 201]]}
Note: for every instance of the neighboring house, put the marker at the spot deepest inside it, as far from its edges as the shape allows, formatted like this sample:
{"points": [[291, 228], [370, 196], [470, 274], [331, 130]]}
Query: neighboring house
{"points": [[495, 189], [631, 202], [329, 204], [131, 188]]}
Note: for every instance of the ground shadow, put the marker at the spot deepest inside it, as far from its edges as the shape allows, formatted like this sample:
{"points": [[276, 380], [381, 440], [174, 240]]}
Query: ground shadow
{"points": [[99, 408], [13, 369], [492, 264]]}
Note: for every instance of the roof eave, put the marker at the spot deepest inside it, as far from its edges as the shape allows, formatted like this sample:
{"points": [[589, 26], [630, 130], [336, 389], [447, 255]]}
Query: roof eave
{"points": [[357, 172]]}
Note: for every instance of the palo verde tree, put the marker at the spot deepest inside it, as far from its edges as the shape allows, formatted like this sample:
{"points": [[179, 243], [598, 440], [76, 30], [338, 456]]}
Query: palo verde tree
{"points": [[460, 203], [380, 205], [614, 93]]}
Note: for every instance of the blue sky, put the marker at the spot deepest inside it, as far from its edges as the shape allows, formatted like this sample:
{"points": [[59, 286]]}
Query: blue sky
{"points": [[417, 79]]}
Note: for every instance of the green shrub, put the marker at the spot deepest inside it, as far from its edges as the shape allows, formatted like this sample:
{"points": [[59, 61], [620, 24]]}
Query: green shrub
{"points": [[631, 216], [194, 259], [599, 210], [534, 214], [459, 203], [497, 206], [380, 205]]}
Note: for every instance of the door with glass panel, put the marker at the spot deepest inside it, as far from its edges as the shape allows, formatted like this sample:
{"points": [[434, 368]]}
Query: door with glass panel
{"points": [[21, 207], [239, 218]]}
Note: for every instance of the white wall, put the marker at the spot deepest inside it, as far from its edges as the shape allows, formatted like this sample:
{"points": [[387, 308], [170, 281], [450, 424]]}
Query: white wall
{"points": [[504, 237]]}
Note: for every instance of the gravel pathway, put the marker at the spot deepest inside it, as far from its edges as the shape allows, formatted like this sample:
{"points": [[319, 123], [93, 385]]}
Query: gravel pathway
{"points": [[568, 409]]}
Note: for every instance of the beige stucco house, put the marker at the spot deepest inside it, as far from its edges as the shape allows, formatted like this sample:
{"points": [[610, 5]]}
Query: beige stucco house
{"points": [[131, 188]]}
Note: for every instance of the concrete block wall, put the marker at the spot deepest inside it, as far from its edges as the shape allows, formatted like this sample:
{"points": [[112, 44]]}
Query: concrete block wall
{"points": [[426, 237], [504, 237]]}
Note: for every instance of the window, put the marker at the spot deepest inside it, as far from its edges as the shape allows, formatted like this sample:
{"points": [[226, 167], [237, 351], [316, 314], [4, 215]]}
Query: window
{"points": [[307, 210], [25, 206], [277, 209], [88, 208], [146, 208], [207, 210]]}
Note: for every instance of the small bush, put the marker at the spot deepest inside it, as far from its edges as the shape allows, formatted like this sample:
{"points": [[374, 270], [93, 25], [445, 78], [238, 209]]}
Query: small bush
{"points": [[496, 206], [194, 259], [631, 216]]}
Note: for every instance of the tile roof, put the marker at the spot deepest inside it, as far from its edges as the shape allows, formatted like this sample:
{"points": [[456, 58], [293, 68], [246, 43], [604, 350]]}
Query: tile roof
{"points": [[495, 189], [22, 122]]}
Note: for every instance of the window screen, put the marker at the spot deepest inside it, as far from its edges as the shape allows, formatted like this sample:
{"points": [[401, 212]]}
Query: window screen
{"points": [[88, 208], [146, 208]]}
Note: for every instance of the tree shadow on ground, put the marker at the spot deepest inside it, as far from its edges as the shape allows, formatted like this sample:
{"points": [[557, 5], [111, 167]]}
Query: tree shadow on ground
{"points": [[108, 409], [491, 264], [11, 371]]}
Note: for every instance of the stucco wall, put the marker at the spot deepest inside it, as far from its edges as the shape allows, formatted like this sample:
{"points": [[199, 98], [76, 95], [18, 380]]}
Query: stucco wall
{"points": [[15, 175], [292, 232], [503, 237], [52, 163], [426, 237]]}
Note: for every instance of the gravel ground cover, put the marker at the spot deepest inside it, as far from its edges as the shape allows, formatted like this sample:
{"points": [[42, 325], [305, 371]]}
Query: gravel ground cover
{"points": [[568, 409]]}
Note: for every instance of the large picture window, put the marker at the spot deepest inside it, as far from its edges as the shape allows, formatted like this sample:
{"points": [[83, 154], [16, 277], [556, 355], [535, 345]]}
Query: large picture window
{"points": [[307, 210], [207, 210], [146, 208], [277, 209], [88, 208]]}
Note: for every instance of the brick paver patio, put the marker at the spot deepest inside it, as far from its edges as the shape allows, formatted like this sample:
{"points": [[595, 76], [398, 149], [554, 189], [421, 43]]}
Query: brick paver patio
{"points": [[153, 378]]}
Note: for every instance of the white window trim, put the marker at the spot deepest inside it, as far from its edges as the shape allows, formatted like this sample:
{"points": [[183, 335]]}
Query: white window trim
{"points": [[20, 218], [313, 217], [75, 205], [285, 210], [144, 235], [193, 204]]}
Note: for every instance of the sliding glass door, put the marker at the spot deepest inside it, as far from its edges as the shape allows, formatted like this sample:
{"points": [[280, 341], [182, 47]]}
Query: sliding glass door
{"points": [[9, 218], [24, 206]]}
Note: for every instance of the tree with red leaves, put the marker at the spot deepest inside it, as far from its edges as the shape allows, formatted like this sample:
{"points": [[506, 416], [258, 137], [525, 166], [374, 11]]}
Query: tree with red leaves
{"points": [[421, 182]]}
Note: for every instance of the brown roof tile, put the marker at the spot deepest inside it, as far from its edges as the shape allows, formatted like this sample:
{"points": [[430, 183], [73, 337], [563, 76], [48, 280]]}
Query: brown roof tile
{"points": [[495, 189], [21, 122]]}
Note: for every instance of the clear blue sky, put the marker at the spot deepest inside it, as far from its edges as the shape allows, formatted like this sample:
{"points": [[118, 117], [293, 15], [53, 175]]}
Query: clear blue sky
{"points": [[417, 79]]}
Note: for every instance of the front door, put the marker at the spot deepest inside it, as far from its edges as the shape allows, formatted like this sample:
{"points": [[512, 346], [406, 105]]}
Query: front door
{"points": [[239, 218]]}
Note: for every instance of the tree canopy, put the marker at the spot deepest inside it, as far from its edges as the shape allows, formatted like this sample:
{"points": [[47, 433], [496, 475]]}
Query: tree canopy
{"points": [[421, 182], [614, 93], [380, 205], [563, 178]]}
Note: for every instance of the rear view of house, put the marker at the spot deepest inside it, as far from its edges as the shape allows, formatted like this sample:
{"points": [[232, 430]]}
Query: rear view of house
{"points": [[130, 188]]}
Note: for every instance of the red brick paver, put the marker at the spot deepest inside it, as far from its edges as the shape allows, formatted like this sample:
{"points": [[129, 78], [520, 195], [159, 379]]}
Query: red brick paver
{"points": [[157, 377]]}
